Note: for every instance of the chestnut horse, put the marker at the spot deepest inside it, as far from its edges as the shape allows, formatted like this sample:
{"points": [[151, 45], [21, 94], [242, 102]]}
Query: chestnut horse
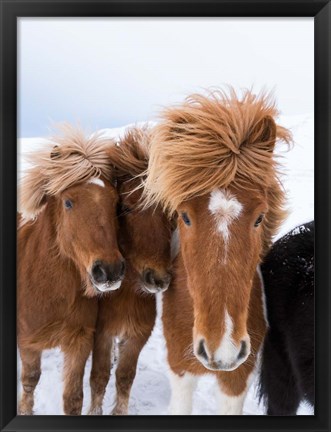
{"points": [[130, 313], [211, 162], [67, 255]]}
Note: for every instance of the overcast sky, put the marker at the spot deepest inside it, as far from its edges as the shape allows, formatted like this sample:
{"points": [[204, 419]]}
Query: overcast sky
{"points": [[111, 72]]}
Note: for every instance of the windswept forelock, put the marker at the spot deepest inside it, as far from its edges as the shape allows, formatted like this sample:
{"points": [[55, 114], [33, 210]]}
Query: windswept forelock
{"points": [[212, 142], [130, 154], [68, 159]]}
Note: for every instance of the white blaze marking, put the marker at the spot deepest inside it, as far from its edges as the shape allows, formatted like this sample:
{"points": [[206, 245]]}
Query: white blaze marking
{"points": [[96, 181], [227, 352], [225, 208]]}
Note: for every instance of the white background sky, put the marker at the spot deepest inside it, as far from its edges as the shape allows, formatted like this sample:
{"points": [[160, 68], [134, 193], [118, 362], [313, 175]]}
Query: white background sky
{"points": [[111, 72]]}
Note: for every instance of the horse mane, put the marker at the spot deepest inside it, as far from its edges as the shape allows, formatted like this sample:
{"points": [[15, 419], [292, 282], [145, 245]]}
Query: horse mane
{"points": [[215, 141], [130, 154], [69, 158]]}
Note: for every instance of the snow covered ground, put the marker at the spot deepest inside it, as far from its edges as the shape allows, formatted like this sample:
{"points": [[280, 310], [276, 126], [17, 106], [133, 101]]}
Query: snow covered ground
{"points": [[151, 389]]}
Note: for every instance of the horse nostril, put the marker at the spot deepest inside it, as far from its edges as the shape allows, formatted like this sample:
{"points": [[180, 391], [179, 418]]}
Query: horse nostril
{"points": [[202, 350], [103, 272], [166, 279], [162, 282], [148, 276], [99, 273], [154, 282], [243, 350]]}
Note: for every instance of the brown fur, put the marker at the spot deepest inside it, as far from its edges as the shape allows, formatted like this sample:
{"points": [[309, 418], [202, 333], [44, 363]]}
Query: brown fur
{"points": [[57, 304], [130, 312], [210, 143]]}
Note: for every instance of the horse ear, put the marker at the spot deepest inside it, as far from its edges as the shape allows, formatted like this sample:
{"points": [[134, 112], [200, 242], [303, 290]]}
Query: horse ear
{"points": [[264, 131], [31, 194]]}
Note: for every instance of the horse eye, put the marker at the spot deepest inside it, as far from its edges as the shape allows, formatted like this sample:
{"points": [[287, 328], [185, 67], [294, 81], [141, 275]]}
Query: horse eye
{"points": [[186, 219], [259, 220], [68, 204]]}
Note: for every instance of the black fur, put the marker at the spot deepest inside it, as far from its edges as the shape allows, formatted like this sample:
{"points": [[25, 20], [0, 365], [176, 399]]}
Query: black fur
{"points": [[287, 369]]}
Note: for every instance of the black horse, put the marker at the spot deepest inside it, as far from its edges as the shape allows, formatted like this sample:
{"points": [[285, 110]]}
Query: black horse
{"points": [[287, 369]]}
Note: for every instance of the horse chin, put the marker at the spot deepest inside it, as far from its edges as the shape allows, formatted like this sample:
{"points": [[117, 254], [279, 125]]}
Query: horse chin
{"points": [[148, 290], [153, 289], [107, 286], [219, 366]]}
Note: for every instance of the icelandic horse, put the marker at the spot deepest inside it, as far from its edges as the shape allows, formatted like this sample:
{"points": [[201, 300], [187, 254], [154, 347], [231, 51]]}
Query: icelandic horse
{"points": [[212, 163], [145, 241], [67, 256], [287, 361]]}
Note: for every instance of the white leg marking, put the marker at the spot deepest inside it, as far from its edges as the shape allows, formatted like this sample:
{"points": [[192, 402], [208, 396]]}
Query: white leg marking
{"points": [[230, 405], [96, 181], [182, 388]]}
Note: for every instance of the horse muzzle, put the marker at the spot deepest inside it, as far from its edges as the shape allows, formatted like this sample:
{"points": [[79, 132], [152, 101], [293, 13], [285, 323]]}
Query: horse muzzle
{"points": [[107, 277], [154, 283], [225, 358]]}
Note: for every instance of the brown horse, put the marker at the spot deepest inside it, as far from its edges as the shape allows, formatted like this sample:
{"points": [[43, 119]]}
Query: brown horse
{"points": [[211, 162], [67, 255], [130, 313]]}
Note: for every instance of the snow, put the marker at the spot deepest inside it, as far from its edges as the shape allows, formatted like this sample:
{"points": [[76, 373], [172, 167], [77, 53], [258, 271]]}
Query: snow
{"points": [[151, 389]]}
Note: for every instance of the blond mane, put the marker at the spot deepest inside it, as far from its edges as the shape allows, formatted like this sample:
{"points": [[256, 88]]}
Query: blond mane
{"points": [[130, 154], [216, 141], [69, 158]]}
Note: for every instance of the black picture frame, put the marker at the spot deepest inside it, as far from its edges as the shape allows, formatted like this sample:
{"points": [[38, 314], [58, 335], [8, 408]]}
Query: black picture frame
{"points": [[11, 10]]}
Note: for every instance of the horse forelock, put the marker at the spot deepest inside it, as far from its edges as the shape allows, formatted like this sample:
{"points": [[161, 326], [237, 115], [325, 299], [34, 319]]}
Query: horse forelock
{"points": [[130, 155], [212, 142], [67, 159]]}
